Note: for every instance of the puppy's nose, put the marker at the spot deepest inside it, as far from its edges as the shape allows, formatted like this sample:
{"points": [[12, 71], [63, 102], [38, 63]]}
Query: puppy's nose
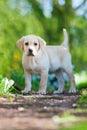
{"points": [[30, 51]]}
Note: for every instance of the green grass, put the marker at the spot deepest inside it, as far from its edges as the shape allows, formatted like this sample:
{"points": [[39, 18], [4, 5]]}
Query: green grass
{"points": [[83, 97], [81, 80], [76, 126], [7, 95], [68, 121]]}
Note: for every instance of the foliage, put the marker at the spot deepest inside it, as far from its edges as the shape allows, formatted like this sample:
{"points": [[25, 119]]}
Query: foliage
{"points": [[83, 98], [69, 121], [81, 80], [13, 25], [76, 126], [18, 77], [22, 17], [19, 17], [5, 85]]}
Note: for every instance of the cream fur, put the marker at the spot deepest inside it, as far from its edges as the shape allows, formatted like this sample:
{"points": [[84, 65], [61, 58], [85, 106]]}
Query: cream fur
{"points": [[43, 59]]}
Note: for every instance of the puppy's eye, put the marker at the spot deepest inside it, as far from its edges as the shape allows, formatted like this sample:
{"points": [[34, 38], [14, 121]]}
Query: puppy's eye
{"points": [[35, 44], [26, 43]]}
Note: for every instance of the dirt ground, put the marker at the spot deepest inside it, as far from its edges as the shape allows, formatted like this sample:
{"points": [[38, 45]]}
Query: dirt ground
{"points": [[35, 112]]}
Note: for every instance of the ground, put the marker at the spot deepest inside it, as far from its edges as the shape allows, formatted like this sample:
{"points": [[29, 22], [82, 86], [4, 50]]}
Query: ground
{"points": [[36, 112]]}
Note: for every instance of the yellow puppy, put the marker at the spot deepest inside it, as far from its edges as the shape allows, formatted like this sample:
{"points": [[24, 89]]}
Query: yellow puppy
{"points": [[40, 59]]}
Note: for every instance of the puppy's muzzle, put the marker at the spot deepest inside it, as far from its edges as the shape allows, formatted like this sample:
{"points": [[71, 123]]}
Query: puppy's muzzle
{"points": [[30, 52]]}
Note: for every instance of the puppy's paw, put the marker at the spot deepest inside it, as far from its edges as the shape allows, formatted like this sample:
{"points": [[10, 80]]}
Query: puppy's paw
{"points": [[41, 92], [25, 91], [72, 91], [58, 92]]}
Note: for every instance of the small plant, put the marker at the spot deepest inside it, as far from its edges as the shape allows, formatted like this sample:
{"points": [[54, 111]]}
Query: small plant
{"points": [[81, 80], [5, 85], [83, 98]]}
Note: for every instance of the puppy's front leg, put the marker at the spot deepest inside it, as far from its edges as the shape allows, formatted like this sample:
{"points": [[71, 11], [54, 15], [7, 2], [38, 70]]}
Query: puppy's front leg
{"points": [[43, 82], [27, 83]]}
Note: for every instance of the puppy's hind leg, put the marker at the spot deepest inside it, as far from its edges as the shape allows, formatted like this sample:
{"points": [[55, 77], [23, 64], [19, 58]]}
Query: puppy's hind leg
{"points": [[68, 68], [61, 82], [72, 83], [72, 80]]}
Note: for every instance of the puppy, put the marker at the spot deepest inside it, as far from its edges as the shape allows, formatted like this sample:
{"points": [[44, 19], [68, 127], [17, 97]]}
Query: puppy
{"points": [[40, 59]]}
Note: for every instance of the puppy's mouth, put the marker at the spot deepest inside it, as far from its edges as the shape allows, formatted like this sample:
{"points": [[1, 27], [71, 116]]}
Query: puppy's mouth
{"points": [[30, 52]]}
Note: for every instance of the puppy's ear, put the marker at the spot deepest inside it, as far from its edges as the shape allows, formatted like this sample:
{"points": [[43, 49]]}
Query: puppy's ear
{"points": [[20, 43], [41, 42]]}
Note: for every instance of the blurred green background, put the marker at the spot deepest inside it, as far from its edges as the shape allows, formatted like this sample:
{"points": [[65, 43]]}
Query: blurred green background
{"points": [[45, 18]]}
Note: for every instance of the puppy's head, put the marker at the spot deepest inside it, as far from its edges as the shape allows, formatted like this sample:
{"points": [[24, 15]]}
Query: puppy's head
{"points": [[31, 44]]}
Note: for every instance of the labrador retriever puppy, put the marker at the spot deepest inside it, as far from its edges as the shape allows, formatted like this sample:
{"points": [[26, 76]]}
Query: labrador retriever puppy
{"points": [[40, 59]]}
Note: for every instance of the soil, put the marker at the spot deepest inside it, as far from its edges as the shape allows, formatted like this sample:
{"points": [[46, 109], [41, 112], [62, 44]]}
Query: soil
{"points": [[36, 112]]}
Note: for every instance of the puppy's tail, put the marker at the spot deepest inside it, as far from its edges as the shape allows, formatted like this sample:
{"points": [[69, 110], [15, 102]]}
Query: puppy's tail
{"points": [[65, 42]]}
